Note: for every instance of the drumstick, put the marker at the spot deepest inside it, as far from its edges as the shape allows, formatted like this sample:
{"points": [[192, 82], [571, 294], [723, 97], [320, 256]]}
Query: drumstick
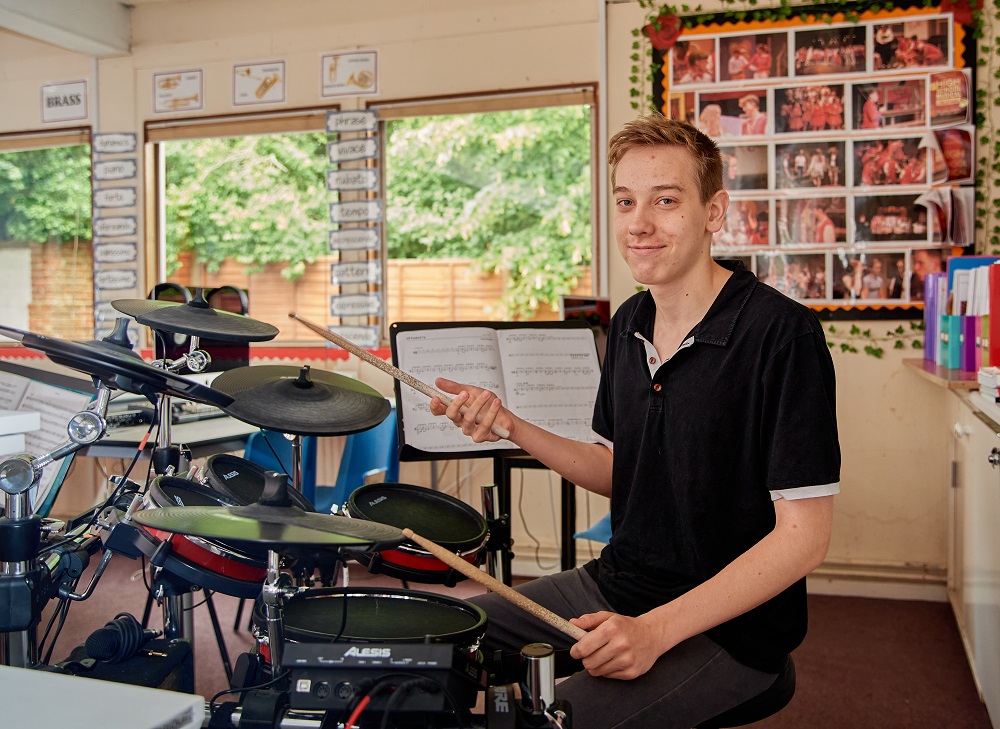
{"points": [[476, 574], [389, 369]]}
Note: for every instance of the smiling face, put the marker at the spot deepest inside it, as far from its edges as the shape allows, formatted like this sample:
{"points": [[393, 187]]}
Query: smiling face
{"points": [[663, 229]]}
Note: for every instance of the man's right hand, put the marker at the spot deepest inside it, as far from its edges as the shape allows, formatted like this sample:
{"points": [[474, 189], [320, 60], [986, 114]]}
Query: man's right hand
{"points": [[482, 409]]}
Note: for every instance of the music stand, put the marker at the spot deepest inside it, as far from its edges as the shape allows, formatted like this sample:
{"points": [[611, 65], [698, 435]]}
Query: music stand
{"points": [[405, 340]]}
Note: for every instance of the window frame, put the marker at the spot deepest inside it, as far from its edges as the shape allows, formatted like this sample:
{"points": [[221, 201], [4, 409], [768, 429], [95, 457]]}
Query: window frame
{"points": [[514, 100]]}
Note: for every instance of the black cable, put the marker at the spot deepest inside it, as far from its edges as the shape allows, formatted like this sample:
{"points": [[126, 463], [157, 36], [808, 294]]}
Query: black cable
{"points": [[119, 490], [119, 639], [404, 691], [63, 610], [60, 612], [524, 523], [212, 708], [274, 452]]}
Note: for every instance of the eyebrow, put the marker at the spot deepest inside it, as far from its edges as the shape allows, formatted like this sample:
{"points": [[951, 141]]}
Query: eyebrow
{"points": [[656, 188]]}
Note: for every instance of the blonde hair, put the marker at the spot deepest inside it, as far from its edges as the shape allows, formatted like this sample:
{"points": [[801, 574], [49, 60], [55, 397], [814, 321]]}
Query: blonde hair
{"points": [[654, 130]]}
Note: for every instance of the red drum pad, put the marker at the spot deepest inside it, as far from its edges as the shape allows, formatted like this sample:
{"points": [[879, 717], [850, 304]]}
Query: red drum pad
{"points": [[443, 519]]}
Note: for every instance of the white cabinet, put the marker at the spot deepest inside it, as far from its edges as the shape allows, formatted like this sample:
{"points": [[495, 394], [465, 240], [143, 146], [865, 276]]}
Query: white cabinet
{"points": [[974, 559]]}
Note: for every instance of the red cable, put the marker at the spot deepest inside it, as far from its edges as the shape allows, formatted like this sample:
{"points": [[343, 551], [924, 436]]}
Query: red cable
{"points": [[357, 711]]}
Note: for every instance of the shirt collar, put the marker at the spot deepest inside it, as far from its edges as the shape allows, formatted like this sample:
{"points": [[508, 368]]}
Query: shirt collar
{"points": [[718, 324]]}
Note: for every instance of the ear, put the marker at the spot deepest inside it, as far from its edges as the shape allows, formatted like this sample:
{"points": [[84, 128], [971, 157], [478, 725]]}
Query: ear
{"points": [[717, 207]]}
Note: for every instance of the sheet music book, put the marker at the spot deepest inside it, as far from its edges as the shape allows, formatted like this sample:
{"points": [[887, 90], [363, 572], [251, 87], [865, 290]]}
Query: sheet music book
{"points": [[546, 374]]}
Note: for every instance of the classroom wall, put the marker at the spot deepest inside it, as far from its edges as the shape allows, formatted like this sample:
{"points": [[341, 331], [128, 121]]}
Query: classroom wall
{"points": [[891, 526]]}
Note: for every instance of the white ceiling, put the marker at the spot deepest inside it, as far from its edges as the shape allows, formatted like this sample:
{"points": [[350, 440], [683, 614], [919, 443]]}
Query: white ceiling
{"points": [[93, 27]]}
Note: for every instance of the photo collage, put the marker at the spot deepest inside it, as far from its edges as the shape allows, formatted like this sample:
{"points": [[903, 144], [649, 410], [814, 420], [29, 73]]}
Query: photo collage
{"points": [[831, 140]]}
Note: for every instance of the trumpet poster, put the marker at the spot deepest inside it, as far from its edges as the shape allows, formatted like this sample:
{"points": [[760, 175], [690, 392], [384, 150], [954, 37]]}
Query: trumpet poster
{"points": [[178, 91], [259, 83]]}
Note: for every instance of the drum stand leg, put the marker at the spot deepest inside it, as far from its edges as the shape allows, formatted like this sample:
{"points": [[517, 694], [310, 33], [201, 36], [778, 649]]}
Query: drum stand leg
{"points": [[19, 648], [273, 596], [178, 621], [219, 638], [498, 546]]}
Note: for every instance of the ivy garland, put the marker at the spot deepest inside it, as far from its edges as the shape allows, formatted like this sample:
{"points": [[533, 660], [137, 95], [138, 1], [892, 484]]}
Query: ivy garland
{"points": [[665, 23]]}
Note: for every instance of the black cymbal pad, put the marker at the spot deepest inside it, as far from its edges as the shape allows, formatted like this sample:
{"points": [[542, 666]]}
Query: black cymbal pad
{"points": [[196, 320], [301, 400]]}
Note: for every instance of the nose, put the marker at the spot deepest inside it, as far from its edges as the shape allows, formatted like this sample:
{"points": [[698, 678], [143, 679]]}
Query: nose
{"points": [[640, 221]]}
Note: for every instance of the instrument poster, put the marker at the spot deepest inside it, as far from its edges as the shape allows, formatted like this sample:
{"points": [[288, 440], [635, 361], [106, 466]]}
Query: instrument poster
{"points": [[178, 91], [353, 73], [259, 83]]}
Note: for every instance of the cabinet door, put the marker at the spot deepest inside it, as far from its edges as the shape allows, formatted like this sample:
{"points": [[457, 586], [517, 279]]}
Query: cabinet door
{"points": [[977, 545]]}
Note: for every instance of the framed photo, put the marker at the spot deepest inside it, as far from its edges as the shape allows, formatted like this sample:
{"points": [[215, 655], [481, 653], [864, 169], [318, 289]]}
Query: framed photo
{"points": [[954, 155], [745, 167], [798, 275], [891, 218], [896, 161], [922, 262], [915, 43], [889, 104], [811, 221], [693, 62], [831, 50], [813, 108], [753, 56], [950, 103], [810, 164], [682, 106], [869, 276], [726, 114], [747, 223]]}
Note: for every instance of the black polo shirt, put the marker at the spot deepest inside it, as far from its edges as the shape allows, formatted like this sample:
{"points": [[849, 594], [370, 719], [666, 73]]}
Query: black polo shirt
{"points": [[748, 407]]}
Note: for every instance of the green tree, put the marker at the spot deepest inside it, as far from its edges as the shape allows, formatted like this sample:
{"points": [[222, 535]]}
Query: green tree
{"points": [[511, 190], [253, 199], [45, 194]]}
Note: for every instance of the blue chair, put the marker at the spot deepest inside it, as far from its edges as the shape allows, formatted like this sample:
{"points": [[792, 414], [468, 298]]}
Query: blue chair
{"points": [[366, 454], [600, 531]]}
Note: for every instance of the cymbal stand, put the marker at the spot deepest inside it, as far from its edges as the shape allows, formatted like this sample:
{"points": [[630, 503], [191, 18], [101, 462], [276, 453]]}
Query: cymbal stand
{"points": [[273, 595], [21, 573], [178, 618], [166, 454]]}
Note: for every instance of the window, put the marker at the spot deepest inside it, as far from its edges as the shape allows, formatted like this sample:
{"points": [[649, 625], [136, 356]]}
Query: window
{"points": [[488, 207], [243, 204], [45, 235]]}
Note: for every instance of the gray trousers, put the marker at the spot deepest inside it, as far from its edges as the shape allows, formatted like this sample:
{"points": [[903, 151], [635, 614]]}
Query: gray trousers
{"points": [[688, 684]]}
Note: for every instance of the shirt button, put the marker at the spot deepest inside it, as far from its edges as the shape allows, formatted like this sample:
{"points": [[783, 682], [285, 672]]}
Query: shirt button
{"points": [[657, 387], [652, 360]]}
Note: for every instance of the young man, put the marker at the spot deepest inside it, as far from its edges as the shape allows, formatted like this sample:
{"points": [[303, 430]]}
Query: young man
{"points": [[717, 398]]}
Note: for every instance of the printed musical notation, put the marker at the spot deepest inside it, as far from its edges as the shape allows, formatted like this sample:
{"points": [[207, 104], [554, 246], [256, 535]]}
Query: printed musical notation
{"points": [[548, 376]]}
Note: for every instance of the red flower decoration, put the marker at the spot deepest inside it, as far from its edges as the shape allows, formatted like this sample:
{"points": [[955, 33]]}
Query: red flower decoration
{"points": [[961, 9], [669, 31]]}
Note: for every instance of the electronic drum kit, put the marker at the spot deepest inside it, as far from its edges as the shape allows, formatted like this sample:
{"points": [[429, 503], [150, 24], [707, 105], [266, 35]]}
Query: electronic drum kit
{"points": [[237, 528]]}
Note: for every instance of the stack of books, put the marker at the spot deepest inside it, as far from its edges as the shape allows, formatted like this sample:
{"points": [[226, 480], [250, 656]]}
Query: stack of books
{"points": [[988, 395], [962, 314]]}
